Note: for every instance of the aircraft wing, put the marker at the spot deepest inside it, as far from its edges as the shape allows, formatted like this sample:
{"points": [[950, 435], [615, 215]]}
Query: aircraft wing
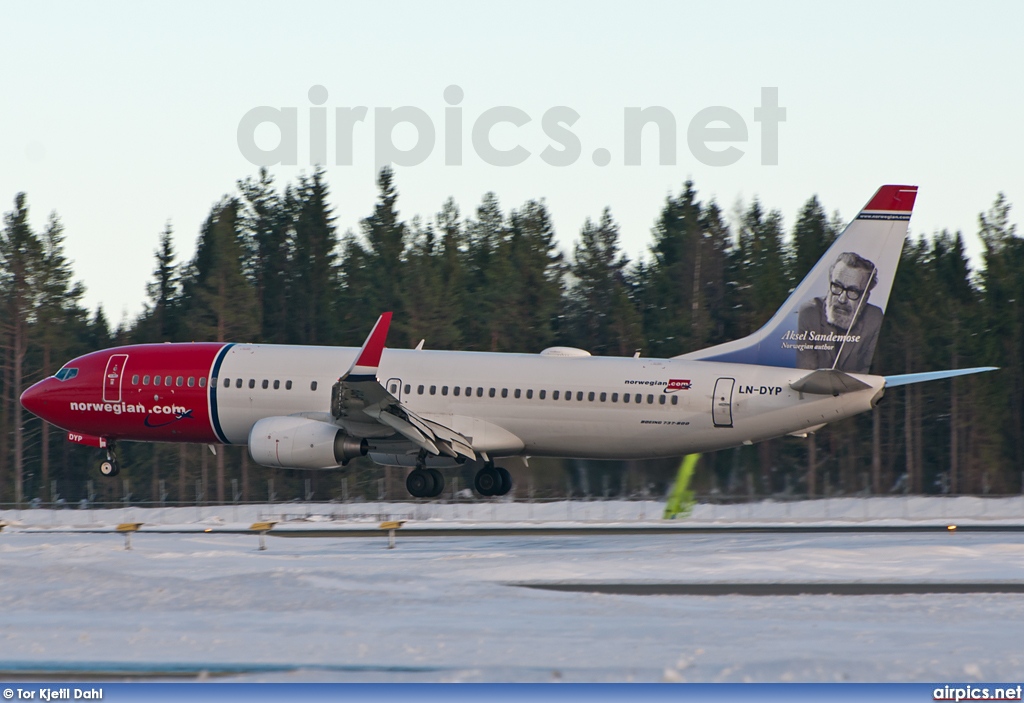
{"points": [[359, 398]]}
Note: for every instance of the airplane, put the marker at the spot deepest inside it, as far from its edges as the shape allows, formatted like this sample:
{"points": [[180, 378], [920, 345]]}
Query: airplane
{"points": [[308, 407]]}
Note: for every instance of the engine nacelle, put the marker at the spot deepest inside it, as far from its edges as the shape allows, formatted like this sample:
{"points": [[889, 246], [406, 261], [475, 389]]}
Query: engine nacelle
{"points": [[300, 443]]}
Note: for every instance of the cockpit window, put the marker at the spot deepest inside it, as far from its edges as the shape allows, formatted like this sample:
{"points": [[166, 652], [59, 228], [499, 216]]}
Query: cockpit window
{"points": [[66, 373]]}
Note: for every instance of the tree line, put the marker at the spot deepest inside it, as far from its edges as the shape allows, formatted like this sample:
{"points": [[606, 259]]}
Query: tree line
{"points": [[270, 266]]}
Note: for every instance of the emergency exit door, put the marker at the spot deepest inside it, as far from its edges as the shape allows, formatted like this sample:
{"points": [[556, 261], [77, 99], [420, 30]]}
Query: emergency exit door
{"points": [[394, 387], [721, 403]]}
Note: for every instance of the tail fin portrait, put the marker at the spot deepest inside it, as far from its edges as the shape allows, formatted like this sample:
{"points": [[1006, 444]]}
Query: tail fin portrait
{"points": [[831, 320]]}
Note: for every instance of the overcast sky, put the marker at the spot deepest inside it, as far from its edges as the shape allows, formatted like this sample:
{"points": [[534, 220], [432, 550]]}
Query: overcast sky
{"points": [[123, 116]]}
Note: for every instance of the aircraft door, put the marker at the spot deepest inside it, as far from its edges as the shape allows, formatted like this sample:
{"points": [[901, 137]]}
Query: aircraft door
{"points": [[721, 403], [394, 386], [113, 376]]}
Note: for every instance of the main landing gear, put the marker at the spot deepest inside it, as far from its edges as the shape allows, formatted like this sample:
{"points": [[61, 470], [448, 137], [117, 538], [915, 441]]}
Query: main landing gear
{"points": [[424, 483], [492, 480], [109, 467]]}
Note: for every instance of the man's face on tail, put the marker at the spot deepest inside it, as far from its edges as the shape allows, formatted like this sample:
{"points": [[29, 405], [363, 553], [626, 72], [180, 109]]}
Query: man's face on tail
{"points": [[847, 286]]}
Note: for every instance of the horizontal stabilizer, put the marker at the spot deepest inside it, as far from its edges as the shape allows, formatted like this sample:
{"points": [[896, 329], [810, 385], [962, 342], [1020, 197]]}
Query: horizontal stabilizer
{"points": [[906, 379], [828, 382]]}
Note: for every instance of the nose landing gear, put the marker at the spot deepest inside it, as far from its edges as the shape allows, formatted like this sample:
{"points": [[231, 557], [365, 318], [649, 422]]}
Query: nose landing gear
{"points": [[110, 467]]}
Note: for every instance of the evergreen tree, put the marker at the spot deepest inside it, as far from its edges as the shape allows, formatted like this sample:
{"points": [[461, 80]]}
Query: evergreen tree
{"points": [[812, 236], [57, 314], [667, 294], [21, 253], [485, 275], [1003, 284], [602, 315], [374, 270], [533, 291], [760, 269], [267, 223], [313, 285], [713, 295], [222, 301], [432, 295], [160, 320]]}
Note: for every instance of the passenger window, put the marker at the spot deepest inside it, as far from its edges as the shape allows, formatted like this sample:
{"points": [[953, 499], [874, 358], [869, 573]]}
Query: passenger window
{"points": [[604, 397], [312, 386], [568, 395], [543, 394], [661, 399], [675, 400], [287, 385], [419, 390], [135, 380], [529, 393], [650, 399], [157, 380], [480, 392], [265, 384], [167, 380], [625, 397], [554, 395], [408, 388], [590, 396], [491, 393], [504, 392], [252, 383], [191, 381], [202, 382], [277, 385], [145, 380], [433, 390], [457, 390], [238, 383], [615, 397], [579, 395], [444, 390], [517, 393], [227, 383], [180, 381], [639, 398]]}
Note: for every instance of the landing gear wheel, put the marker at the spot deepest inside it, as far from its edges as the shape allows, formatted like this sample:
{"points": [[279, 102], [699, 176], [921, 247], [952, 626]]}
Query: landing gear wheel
{"points": [[110, 468], [438, 483], [506, 481], [488, 481], [419, 483]]}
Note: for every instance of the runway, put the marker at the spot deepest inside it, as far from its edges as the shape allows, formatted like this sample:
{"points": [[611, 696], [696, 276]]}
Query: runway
{"points": [[854, 588], [599, 607]]}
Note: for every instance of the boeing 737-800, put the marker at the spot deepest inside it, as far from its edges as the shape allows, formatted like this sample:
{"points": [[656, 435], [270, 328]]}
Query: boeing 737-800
{"points": [[319, 407]]}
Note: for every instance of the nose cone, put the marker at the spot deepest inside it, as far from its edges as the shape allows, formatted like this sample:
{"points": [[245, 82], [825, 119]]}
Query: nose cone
{"points": [[33, 399]]}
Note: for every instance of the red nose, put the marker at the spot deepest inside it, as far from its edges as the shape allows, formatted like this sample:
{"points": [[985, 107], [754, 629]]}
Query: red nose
{"points": [[33, 399]]}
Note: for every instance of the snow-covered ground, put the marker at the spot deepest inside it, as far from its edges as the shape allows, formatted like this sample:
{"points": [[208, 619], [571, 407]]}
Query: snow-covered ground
{"points": [[898, 510], [443, 609]]}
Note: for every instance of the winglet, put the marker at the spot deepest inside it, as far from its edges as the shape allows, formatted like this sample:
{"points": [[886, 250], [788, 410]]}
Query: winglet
{"points": [[369, 356]]}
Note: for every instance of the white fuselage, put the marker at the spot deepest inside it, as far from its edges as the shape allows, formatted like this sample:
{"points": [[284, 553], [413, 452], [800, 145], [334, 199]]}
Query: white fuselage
{"points": [[536, 405]]}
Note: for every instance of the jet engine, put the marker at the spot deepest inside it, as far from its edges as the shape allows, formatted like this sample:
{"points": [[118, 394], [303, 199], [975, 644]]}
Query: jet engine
{"points": [[300, 443]]}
